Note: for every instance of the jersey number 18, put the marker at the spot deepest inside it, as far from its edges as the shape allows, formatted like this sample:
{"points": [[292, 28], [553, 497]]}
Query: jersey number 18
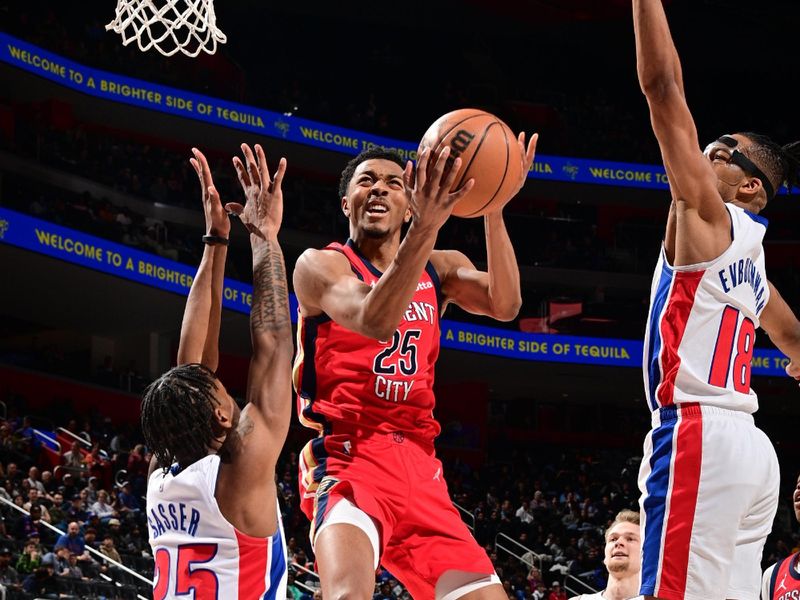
{"points": [[733, 346]]}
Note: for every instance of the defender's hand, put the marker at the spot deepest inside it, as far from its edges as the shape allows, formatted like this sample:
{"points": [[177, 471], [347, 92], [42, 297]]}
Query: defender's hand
{"points": [[262, 212], [217, 221]]}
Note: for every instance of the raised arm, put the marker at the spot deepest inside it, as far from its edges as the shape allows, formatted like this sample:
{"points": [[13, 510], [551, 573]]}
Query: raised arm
{"points": [[201, 318], [783, 328], [324, 282], [269, 378], [692, 180], [496, 291]]}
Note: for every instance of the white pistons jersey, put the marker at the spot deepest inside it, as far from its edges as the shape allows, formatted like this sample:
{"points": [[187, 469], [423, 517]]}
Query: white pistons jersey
{"points": [[701, 328], [197, 550]]}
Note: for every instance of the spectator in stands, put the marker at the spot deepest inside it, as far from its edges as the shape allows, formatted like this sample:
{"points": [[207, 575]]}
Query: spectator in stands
{"points": [[102, 508], [73, 459], [49, 484], [4, 487], [108, 549], [58, 511], [8, 574], [69, 486], [34, 480], [73, 570], [523, 514], [137, 468], [29, 560], [42, 582], [556, 593], [72, 540], [90, 537], [34, 500], [92, 488], [13, 473], [76, 511], [30, 524], [127, 501]]}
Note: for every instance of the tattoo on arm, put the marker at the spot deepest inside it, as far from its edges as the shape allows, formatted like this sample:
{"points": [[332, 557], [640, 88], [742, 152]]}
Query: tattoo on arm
{"points": [[270, 306]]}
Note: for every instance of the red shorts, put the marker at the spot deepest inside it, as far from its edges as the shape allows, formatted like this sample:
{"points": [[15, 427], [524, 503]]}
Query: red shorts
{"points": [[399, 483]]}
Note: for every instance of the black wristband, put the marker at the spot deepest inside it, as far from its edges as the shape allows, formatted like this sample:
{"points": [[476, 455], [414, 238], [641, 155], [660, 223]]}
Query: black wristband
{"points": [[214, 240]]}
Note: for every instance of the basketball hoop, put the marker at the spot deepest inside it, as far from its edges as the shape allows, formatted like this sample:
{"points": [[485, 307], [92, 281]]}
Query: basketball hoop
{"points": [[188, 26]]}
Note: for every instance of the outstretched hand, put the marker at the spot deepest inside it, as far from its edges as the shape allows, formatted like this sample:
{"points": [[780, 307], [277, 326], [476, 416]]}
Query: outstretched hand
{"points": [[262, 212], [217, 221], [528, 155], [431, 201]]}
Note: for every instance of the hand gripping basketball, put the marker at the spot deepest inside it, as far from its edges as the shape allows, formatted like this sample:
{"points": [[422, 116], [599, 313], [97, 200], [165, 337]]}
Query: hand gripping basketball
{"points": [[431, 200], [262, 212]]}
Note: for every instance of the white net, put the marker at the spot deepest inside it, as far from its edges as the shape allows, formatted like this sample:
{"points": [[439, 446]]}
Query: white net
{"points": [[188, 26]]}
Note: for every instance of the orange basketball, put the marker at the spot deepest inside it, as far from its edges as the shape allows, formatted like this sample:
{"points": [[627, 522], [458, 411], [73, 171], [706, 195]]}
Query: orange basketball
{"points": [[489, 154]]}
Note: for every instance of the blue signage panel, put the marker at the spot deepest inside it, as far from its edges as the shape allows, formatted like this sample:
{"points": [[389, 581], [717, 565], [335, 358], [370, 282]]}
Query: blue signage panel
{"points": [[152, 96], [109, 257]]}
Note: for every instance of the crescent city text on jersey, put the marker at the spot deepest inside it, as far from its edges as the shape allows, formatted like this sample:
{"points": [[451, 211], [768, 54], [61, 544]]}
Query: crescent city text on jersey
{"points": [[744, 271], [170, 516]]}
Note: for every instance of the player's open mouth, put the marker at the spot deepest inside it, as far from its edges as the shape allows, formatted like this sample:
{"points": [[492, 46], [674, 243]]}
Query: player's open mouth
{"points": [[376, 208], [619, 555]]}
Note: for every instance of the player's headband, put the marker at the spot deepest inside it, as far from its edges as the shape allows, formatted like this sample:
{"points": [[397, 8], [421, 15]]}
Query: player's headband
{"points": [[740, 160]]}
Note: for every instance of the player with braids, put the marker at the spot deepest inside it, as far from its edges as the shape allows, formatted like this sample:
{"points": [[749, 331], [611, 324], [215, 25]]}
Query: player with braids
{"points": [[177, 414], [212, 507], [709, 477]]}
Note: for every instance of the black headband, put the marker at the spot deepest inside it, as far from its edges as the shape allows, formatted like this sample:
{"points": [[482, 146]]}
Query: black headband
{"points": [[747, 165]]}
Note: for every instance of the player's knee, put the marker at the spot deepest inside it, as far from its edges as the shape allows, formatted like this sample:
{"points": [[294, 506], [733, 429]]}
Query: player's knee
{"points": [[348, 590]]}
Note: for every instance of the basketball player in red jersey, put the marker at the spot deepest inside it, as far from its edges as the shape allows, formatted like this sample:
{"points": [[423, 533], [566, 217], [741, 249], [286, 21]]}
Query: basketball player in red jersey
{"points": [[782, 580], [367, 343]]}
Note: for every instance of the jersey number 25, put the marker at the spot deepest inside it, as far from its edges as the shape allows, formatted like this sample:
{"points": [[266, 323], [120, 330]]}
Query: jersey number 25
{"points": [[188, 575]]}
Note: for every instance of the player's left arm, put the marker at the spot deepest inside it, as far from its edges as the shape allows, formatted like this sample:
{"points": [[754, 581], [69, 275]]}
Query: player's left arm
{"points": [[199, 342], [496, 291], [783, 328]]}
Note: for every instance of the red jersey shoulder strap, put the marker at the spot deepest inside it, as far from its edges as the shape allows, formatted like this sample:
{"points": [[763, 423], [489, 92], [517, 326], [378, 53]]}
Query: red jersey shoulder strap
{"points": [[356, 265]]}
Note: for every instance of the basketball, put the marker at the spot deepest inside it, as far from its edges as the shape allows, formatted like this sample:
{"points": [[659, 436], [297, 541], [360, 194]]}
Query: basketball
{"points": [[489, 154]]}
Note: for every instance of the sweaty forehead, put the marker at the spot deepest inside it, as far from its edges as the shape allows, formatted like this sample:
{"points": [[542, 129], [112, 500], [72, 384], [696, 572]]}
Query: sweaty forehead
{"points": [[380, 167]]}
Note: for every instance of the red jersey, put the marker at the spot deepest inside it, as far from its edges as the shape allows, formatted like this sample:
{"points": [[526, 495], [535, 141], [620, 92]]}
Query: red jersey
{"points": [[782, 580], [351, 382]]}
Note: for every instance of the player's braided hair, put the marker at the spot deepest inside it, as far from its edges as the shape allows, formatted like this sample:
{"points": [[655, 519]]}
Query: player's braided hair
{"points": [[376, 152], [178, 414], [780, 163]]}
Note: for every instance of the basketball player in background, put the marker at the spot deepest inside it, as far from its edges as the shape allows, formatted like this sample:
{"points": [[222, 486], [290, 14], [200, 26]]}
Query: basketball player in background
{"points": [[709, 478], [212, 508], [623, 556], [781, 581], [367, 343]]}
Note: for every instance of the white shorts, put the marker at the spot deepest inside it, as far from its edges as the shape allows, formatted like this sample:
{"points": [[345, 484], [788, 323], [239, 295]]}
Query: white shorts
{"points": [[709, 482]]}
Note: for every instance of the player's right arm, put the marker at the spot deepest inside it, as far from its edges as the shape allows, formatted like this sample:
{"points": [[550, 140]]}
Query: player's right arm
{"points": [[783, 328], [324, 282], [692, 180]]}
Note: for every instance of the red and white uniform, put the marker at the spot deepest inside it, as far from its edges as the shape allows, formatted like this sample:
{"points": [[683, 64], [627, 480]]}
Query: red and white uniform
{"points": [[782, 580], [709, 477], [196, 548], [372, 402]]}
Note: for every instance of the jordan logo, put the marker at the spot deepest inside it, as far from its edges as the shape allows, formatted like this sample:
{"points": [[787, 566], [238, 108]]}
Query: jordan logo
{"points": [[783, 583]]}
